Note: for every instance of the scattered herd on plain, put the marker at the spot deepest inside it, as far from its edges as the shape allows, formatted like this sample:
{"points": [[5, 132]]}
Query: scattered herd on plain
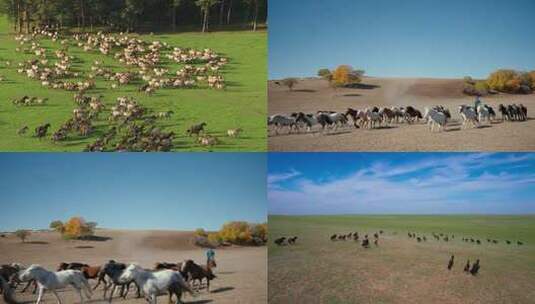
{"points": [[365, 243], [132, 126], [435, 117], [171, 278]]}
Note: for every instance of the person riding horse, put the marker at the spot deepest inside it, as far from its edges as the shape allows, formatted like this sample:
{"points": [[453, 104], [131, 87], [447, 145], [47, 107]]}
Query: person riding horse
{"points": [[210, 257], [477, 103]]}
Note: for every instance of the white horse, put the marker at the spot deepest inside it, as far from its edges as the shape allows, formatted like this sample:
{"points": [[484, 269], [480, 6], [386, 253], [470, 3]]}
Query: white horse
{"points": [[469, 116], [281, 121], [337, 119], [435, 118], [56, 280], [154, 283], [373, 118], [307, 120]]}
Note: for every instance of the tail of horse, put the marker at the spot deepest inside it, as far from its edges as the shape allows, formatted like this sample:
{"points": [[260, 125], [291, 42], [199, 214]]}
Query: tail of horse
{"points": [[9, 297]]}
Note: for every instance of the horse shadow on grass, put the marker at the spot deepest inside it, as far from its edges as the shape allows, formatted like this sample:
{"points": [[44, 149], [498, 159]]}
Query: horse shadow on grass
{"points": [[201, 301], [222, 289], [8, 81], [233, 84], [351, 95], [84, 247]]}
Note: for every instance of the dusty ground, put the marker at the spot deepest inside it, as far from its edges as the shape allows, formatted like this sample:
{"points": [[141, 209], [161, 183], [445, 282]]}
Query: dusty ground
{"points": [[242, 272], [311, 95], [400, 270]]}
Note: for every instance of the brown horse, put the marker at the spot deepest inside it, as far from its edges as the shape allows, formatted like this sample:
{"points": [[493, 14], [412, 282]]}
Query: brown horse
{"points": [[7, 272], [198, 272], [95, 273], [73, 266]]}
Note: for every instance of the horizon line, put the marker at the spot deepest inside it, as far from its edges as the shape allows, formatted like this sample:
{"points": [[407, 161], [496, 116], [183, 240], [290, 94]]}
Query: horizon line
{"points": [[406, 214]]}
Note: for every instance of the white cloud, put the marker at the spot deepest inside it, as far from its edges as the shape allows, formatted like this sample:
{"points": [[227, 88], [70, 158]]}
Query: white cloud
{"points": [[435, 185]]}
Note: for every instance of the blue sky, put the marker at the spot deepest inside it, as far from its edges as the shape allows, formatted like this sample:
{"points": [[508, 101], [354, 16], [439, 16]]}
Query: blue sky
{"points": [[401, 183], [414, 38], [181, 191]]}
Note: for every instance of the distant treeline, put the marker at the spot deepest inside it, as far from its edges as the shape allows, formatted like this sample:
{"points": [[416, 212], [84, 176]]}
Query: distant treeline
{"points": [[504, 81], [134, 15]]}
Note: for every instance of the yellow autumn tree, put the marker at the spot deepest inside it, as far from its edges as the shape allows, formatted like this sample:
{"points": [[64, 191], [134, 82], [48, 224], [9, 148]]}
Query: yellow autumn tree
{"points": [[502, 80], [532, 76], [236, 232], [260, 231], [345, 75], [77, 227]]}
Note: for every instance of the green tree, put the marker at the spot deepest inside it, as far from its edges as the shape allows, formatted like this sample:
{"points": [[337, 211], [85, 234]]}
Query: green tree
{"points": [[57, 226], [205, 6], [325, 74], [253, 6], [132, 10], [290, 82], [174, 7], [22, 234]]}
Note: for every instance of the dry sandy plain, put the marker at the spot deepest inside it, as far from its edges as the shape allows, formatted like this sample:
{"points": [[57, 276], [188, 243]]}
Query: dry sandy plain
{"points": [[241, 272], [311, 95]]}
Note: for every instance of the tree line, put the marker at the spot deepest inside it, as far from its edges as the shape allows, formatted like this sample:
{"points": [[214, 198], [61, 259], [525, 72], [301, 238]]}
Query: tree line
{"points": [[133, 15]]}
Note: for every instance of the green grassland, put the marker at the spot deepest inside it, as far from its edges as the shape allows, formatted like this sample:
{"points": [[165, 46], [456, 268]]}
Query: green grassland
{"points": [[401, 270], [242, 104]]}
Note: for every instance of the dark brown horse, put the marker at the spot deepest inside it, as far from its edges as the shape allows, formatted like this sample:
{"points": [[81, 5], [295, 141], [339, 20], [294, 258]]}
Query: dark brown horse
{"points": [[73, 266], [198, 272]]}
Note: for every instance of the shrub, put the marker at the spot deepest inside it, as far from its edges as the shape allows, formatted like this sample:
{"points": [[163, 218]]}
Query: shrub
{"points": [[240, 233], [201, 232], [345, 75], [469, 80], [532, 77], [290, 82], [215, 238], [57, 226], [481, 87], [325, 74], [504, 81], [235, 232], [204, 242], [260, 231], [22, 234]]}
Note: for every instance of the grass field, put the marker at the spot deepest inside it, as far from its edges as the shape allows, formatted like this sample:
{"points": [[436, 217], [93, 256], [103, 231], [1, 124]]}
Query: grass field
{"points": [[242, 104], [401, 270]]}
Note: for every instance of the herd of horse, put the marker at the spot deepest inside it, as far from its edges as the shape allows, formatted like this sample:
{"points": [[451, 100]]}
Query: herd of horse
{"points": [[171, 278], [365, 243], [198, 68], [435, 117]]}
